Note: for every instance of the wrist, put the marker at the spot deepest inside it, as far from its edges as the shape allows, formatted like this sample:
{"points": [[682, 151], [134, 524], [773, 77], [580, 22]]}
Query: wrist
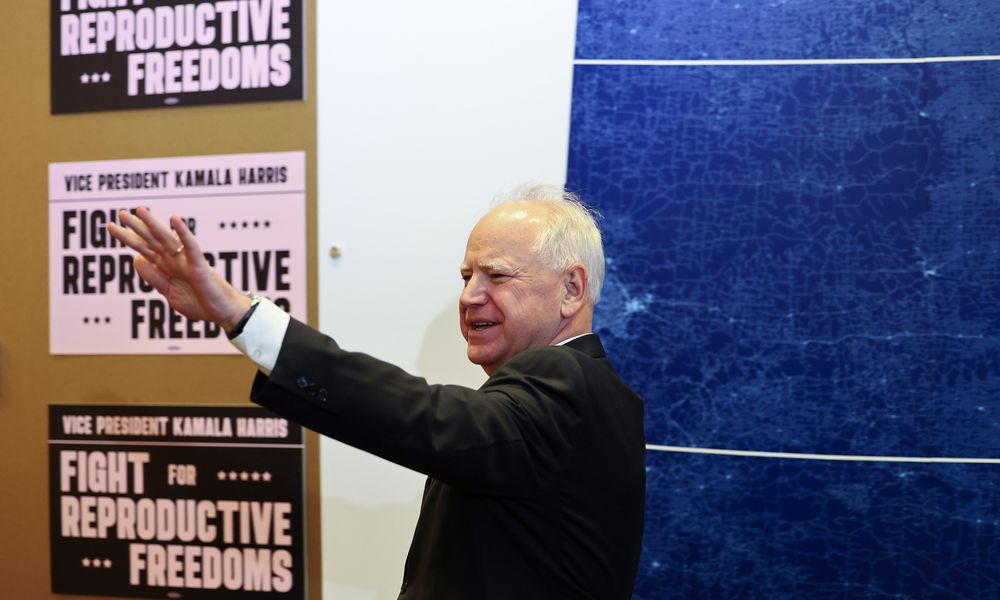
{"points": [[244, 309]]}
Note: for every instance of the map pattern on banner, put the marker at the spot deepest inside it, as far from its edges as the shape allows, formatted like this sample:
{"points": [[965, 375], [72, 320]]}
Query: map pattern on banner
{"points": [[176, 501], [121, 54], [247, 211], [802, 258]]}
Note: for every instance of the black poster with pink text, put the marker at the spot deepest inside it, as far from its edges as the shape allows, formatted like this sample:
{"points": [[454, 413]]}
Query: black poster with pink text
{"points": [[122, 54], [186, 502]]}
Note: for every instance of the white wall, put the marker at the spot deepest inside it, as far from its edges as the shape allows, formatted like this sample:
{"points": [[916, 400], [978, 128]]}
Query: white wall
{"points": [[426, 111]]}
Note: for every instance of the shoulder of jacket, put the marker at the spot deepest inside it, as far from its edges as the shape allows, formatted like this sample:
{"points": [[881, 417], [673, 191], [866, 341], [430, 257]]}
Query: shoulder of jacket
{"points": [[547, 359]]}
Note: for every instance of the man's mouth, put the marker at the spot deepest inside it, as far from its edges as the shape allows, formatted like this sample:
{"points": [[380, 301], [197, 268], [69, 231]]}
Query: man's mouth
{"points": [[481, 325]]}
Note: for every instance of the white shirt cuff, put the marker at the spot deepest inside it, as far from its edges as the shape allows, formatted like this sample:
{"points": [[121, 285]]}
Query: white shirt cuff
{"points": [[262, 335]]}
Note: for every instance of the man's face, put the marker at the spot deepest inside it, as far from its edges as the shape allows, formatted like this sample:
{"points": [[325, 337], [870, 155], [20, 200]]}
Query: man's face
{"points": [[511, 301]]}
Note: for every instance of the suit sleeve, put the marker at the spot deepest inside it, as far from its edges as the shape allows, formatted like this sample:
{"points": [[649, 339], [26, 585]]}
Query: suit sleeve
{"points": [[505, 438]]}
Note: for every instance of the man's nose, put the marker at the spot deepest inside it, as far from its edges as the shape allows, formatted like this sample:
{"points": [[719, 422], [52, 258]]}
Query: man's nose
{"points": [[473, 293]]}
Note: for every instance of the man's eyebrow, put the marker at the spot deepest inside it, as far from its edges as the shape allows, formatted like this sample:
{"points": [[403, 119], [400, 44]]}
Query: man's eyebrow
{"points": [[488, 266], [498, 267]]}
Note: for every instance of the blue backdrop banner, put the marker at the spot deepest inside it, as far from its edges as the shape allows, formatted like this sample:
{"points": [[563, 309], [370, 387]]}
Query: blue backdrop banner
{"points": [[803, 258]]}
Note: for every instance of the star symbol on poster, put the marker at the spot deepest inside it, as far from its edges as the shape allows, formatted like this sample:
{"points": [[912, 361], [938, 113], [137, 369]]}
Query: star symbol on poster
{"points": [[105, 77], [266, 476], [232, 475], [244, 476], [107, 563], [221, 475], [85, 562], [85, 78], [96, 562], [255, 476], [95, 77]]}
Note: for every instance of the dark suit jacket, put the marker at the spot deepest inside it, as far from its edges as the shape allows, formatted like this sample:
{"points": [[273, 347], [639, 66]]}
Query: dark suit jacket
{"points": [[536, 480]]}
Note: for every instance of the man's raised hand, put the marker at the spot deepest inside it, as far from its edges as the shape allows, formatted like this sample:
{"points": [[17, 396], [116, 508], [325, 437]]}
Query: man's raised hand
{"points": [[171, 260]]}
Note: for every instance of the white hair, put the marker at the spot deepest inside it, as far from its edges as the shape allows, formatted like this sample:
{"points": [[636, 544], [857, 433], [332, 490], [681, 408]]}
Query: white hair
{"points": [[569, 235]]}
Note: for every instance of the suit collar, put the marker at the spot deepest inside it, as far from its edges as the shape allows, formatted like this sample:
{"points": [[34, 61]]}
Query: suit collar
{"points": [[589, 344]]}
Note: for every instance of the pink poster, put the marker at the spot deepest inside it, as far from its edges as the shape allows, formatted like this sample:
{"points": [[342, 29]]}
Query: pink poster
{"points": [[248, 211]]}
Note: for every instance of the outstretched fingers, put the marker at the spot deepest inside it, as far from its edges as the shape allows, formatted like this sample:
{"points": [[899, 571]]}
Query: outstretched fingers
{"points": [[133, 234], [154, 240], [158, 235]]}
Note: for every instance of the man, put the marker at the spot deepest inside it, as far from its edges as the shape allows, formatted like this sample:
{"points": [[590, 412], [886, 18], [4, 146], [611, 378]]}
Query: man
{"points": [[536, 480]]}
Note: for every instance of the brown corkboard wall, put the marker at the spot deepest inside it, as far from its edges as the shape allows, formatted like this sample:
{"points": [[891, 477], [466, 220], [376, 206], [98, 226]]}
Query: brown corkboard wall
{"points": [[30, 378]]}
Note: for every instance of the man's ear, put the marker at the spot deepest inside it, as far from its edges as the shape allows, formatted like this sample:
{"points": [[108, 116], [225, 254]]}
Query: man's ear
{"points": [[574, 281]]}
